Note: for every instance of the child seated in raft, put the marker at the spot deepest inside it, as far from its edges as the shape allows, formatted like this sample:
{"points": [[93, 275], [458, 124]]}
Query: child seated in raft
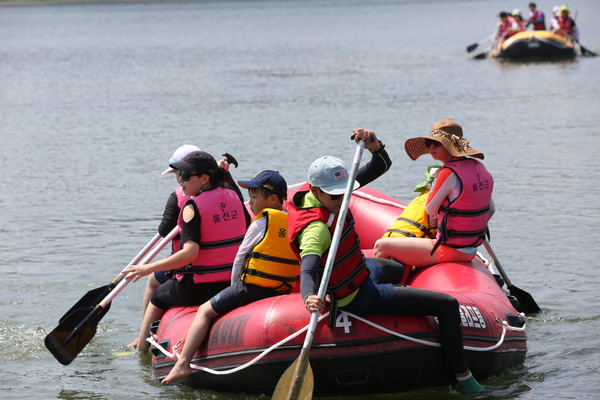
{"points": [[253, 276], [414, 220]]}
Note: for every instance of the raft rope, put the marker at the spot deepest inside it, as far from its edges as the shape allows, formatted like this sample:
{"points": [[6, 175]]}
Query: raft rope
{"points": [[175, 353], [505, 325]]}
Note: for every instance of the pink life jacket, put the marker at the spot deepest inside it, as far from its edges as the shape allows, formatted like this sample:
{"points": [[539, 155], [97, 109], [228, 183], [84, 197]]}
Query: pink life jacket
{"points": [[222, 230], [463, 221]]}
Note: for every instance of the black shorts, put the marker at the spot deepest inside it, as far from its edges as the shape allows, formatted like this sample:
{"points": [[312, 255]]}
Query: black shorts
{"points": [[239, 295], [185, 292]]}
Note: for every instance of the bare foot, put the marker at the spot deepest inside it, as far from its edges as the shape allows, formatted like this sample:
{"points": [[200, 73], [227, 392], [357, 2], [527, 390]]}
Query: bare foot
{"points": [[134, 343], [179, 370]]}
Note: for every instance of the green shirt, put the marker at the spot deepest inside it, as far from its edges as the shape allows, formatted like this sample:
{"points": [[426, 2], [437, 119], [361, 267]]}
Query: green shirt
{"points": [[316, 239]]}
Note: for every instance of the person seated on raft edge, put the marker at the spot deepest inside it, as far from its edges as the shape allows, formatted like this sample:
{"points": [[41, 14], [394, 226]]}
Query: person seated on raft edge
{"points": [[353, 285], [414, 220], [565, 25], [214, 215], [266, 236], [176, 201], [505, 28], [461, 200]]}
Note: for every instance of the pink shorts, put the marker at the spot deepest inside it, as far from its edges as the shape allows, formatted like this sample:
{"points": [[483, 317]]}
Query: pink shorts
{"points": [[448, 254]]}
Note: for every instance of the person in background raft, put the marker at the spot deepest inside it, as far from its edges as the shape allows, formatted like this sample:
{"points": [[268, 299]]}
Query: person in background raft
{"points": [[554, 20], [566, 25], [353, 286], [414, 220], [461, 198], [213, 225], [505, 27], [518, 18], [536, 18], [264, 266]]}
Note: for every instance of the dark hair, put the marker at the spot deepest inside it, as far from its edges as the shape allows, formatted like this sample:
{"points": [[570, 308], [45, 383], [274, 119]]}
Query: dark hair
{"points": [[264, 192], [532, 4]]}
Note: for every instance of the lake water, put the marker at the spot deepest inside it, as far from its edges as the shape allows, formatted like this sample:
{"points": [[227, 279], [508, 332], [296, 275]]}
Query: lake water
{"points": [[94, 99]]}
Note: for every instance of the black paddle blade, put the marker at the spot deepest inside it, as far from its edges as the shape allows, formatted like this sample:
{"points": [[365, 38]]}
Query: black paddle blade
{"points": [[90, 299], [527, 304], [587, 52], [481, 56], [74, 332], [472, 47]]}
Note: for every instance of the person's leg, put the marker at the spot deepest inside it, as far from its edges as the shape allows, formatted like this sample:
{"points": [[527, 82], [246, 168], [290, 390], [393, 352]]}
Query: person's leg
{"points": [[384, 270], [152, 314], [409, 251], [151, 285], [193, 340]]}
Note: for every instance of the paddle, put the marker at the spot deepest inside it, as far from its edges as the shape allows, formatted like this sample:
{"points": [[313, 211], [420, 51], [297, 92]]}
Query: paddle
{"points": [[585, 51], [94, 296], [473, 46], [526, 302], [75, 330], [297, 381]]}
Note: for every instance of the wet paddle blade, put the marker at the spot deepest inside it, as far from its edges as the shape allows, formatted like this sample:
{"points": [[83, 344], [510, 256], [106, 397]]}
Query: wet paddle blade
{"points": [[73, 333], [90, 299], [587, 52], [472, 47], [481, 55], [527, 304], [282, 390]]}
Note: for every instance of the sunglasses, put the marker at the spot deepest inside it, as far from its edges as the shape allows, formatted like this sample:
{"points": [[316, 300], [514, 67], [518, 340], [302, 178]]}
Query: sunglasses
{"points": [[429, 142], [185, 175], [334, 197]]}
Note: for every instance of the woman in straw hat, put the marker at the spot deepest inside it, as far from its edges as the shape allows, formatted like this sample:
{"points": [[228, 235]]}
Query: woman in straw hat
{"points": [[460, 199]]}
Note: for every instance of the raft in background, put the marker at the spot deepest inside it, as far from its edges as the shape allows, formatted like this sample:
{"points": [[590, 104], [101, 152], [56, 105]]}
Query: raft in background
{"points": [[542, 45], [248, 349]]}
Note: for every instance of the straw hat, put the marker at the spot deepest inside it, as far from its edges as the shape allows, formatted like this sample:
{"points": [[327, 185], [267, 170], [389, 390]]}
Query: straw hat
{"points": [[449, 134]]}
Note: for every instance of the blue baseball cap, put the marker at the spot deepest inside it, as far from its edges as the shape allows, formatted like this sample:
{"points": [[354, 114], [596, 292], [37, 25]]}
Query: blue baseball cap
{"points": [[267, 179], [330, 175]]}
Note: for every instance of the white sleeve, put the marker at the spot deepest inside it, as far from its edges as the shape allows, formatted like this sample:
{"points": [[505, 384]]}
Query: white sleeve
{"points": [[253, 235]]}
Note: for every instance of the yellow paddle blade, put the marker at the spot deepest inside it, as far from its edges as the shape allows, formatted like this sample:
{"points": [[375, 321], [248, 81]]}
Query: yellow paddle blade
{"points": [[284, 386]]}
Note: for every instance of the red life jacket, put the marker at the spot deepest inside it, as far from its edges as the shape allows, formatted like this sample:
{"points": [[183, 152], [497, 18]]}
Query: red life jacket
{"points": [[567, 25], [463, 221], [349, 268], [222, 230], [537, 18]]}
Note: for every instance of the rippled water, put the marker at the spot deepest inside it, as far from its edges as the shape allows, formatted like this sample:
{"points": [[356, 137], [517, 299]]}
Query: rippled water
{"points": [[95, 98]]}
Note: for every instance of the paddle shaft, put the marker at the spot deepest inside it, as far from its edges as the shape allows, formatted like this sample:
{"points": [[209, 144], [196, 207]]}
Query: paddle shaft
{"points": [[123, 283], [473, 46], [146, 259], [489, 249], [335, 241]]}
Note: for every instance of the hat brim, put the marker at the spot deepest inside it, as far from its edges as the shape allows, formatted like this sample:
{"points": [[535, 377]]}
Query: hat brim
{"points": [[339, 188], [415, 148], [183, 166], [248, 185], [168, 170]]}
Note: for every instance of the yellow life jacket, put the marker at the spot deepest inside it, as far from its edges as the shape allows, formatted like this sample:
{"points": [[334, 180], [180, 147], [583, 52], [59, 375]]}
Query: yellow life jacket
{"points": [[414, 221], [272, 263]]}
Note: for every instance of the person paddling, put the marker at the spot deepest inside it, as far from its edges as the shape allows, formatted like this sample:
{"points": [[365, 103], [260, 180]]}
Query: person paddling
{"points": [[213, 224], [352, 287]]}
